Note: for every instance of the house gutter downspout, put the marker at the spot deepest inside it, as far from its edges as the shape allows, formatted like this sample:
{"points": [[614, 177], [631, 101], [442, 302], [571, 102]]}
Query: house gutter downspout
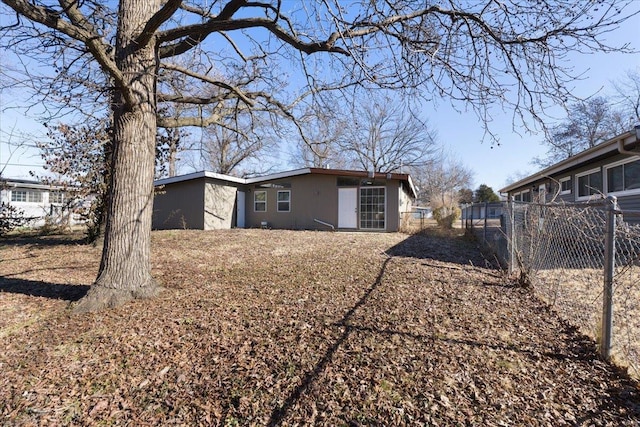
{"points": [[623, 150]]}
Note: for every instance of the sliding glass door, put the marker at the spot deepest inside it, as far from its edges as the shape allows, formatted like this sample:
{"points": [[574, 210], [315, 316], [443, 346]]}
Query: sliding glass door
{"points": [[372, 208]]}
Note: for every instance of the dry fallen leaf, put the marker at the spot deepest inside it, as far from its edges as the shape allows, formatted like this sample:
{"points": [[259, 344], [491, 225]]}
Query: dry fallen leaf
{"points": [[266, 327]]}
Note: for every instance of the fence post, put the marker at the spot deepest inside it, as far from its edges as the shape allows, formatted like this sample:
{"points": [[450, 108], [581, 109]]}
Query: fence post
{"points": [[512, 234], [609, 266], [484, 234]]}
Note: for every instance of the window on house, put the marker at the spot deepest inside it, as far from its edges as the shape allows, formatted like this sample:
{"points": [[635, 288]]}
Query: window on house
{"points": [[284, 201], [34, 196], [623, 177], [18, 196], [589, 183], [31, 196], [565, 185], [56, 197], [260, 201], [347, 181], [522, 196]]}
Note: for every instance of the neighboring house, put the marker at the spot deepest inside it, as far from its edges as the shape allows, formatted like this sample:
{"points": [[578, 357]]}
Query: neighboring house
{"points": [[306, 198], [422, 212], [481, 210], [38, 202], [609, 168]]}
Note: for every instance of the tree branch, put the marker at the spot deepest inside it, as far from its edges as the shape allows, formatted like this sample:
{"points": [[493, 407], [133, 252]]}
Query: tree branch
{"points": [[192, 35], [237, 91], [176, 122], [52, 19], [159, 18]]}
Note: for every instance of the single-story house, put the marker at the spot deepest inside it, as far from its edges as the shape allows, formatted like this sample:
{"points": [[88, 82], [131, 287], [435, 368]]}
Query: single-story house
{"points": [[37, 202], [479, 210], [610, 168], [308, 198]]}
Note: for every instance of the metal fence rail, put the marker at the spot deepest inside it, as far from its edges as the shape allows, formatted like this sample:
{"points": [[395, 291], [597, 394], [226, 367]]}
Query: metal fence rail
{"points": [[582, 259]]}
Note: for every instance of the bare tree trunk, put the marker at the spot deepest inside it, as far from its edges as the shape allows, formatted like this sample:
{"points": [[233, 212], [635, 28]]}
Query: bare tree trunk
{"points": [[125, 270], [173, 154]]}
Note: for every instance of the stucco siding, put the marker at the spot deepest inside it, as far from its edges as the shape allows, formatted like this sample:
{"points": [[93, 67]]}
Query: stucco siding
{"points": [[179, 205], [393, 208], [219, 206], [311, 197], [315, 197], [405, 204], [301, 200]]}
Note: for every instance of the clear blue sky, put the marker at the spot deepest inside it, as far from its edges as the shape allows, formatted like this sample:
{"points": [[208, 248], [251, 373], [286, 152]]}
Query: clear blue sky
{"points": [[460, 134]]}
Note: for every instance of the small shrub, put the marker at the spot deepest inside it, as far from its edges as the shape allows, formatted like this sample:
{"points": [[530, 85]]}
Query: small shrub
{"points": [[10, 218], [445, 216]]}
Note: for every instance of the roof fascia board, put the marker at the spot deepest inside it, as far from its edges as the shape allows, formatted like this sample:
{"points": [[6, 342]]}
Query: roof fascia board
{"points": [[281, 175], [606, 147], [180, 178], [278, 175], [32, 185], [224, 177], [196, 175]]}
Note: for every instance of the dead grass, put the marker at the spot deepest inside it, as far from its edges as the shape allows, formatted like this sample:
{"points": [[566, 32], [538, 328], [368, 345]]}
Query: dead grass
{"points": [[577, 296], [260, 327]]}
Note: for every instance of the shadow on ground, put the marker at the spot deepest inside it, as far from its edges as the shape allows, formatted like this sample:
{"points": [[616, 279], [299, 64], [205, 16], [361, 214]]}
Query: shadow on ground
{"points": [[43, 289], [617, 397], [446, 246], [48, 240]]}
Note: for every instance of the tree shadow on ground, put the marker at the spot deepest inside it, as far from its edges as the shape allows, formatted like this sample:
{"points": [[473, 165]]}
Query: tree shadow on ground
{"points": [[621, 396], [279, 413], [43, 289], [451, 246], [45, 240]]}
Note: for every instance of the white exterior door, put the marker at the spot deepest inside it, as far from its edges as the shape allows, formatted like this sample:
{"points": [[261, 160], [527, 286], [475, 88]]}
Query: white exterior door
{"points": [[347, 208], [240, 205]]}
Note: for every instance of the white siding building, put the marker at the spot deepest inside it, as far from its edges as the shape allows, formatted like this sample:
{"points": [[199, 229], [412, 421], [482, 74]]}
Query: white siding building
{"points": [[38, 202]]}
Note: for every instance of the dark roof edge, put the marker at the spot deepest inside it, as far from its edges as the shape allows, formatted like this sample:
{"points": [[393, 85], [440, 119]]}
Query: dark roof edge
{"points": [[575, 161], [279, 175]]}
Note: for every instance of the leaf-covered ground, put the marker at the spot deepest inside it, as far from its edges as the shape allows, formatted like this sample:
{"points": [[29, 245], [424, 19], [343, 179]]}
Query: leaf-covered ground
{"points": [[260, 327]]}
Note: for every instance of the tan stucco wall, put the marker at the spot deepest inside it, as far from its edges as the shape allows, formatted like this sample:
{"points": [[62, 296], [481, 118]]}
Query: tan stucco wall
{"points": [[220, 206], [179, 205], [316, 197], [312, 196], [209, 204]]}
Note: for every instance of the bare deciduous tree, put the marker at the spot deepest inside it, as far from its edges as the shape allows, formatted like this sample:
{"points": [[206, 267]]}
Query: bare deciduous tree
{"points": [[225, 149], [385, 136], [627, 95], [480, 53], [170, 142], [440, 183], [588, 123], [322, 126]]}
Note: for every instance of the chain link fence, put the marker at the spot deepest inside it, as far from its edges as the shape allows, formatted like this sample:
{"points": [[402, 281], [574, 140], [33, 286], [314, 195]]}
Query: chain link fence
{"points": [[582, 259]]}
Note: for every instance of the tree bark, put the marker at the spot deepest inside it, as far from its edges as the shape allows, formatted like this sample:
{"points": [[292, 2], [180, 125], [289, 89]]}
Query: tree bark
{"points": [[125, 269]]}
